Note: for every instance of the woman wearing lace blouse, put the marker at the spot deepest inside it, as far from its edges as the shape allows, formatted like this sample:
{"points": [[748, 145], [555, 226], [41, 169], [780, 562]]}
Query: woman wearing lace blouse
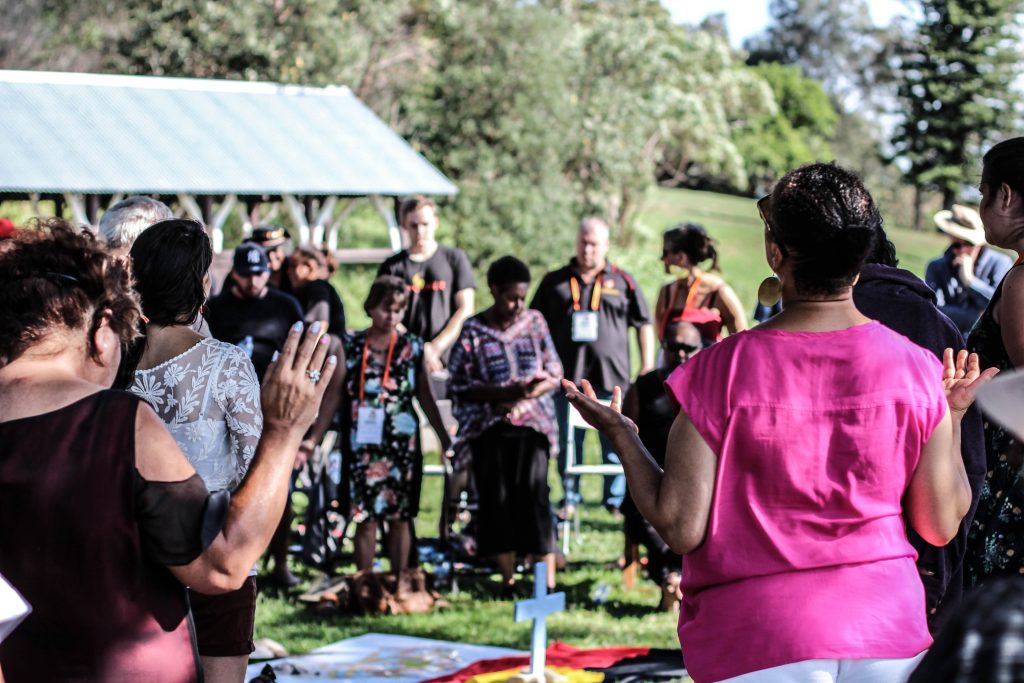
{"points": [[208, 394]]}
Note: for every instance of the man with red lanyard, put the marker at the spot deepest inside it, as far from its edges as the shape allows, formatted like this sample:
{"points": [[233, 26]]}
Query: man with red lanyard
{"points": [[590, 306]]}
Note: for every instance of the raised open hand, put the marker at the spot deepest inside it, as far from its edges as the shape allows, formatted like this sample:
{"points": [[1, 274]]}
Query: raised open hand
{"points": [[604, 418], [962, 377], [295, 381]]}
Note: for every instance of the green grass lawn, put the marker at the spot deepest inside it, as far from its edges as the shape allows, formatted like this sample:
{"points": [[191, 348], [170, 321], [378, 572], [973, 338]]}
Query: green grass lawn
{"points": [[624, 618]]}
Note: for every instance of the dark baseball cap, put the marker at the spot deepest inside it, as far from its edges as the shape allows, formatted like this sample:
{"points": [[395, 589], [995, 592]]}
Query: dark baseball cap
{"points": [[250, 259], [269, 236]]}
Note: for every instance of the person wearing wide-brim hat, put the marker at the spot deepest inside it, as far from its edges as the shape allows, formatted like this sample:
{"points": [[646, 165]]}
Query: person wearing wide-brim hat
{"points": [[965, 276]]}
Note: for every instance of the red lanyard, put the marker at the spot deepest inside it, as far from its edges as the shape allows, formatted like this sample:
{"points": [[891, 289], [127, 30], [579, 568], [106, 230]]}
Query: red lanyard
{"points": [[595, 297], [387, 365]]}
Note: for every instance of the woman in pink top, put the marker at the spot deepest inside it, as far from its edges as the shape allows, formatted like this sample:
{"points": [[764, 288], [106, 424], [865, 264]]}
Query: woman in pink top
{"points": [[801, 448]]}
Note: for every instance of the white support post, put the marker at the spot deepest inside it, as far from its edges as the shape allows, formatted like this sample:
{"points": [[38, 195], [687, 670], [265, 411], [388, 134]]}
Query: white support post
{"points": [[332, 228], [298, 213], [326, 209], [114, 199], [34, 198], [77, 204], [394, 234], [271, 215], [191, 206], [219, 219], [246, 221]]}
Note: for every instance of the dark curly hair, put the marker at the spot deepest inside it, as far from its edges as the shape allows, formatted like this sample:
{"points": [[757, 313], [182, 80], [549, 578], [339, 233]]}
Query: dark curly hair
{"points": [[693, 240], [507, 270], [55, 276], [825, 219]]}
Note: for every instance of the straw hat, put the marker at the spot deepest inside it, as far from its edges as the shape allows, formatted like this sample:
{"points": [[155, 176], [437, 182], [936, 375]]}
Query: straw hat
{"points": [[1003, 400], [963, 223]]}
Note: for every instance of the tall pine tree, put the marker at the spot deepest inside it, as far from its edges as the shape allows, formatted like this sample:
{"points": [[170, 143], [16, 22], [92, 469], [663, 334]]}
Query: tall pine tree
{"points": [[954, 90]]}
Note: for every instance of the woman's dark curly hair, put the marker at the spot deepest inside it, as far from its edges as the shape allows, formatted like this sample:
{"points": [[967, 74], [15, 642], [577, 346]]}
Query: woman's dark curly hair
{"points": [[693, 240], [825, 219], [55, 276], [507, 270]]}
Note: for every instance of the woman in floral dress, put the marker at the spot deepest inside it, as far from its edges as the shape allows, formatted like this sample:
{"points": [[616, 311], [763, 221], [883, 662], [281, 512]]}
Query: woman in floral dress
{"points": [[995, 545], [384, 464]]}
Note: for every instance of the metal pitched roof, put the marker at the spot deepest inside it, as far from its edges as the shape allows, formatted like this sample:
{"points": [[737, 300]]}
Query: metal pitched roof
{"points": [[88, 133]]}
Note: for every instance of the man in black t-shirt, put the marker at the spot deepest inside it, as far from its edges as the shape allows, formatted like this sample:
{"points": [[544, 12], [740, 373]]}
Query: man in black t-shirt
{"points": [[248, 307], [590, 305], [440, 279]]}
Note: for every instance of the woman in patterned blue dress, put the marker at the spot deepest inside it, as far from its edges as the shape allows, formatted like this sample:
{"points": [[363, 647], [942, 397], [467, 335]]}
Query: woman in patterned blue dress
{"points": [[383, 460]]}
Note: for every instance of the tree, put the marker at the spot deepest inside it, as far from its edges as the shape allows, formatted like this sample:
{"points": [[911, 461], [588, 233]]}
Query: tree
{"points": [[495, 115], [954, 88], [832, 41], [799, 131]]}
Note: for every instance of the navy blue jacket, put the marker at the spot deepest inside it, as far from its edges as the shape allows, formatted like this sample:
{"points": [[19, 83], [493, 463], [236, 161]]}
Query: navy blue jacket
{"points": [[902, 302]]}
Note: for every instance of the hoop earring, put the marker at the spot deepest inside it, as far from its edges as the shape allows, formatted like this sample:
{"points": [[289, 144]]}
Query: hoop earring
{"points": [[769, 291]]}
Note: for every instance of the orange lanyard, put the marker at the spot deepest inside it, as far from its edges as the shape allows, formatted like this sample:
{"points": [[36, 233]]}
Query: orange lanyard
{"points": [[691, 295], [595, 296], [387, 365]]}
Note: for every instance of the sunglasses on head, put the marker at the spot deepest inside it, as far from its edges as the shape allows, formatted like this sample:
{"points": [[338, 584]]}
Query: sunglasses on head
{"points": [[676, 347]]}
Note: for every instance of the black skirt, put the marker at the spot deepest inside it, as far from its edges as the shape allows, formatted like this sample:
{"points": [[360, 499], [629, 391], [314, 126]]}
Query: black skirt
{"points": [[511, 469]]}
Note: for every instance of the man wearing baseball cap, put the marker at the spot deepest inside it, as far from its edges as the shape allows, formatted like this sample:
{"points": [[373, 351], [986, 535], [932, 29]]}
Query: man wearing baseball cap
{"points": [[965, 276], [248, 307]]}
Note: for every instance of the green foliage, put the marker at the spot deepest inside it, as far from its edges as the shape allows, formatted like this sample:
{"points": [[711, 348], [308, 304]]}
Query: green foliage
{"points": [[494, 116], [832, 41], [799, 132], [954, 88], [540, 112]]}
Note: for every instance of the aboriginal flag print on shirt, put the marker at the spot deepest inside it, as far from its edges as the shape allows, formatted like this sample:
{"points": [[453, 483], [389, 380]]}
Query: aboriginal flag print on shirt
{"points": [[432, 287]]}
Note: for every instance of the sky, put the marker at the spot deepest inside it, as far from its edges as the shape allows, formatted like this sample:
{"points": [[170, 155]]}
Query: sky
{"points": [[747, 17]]}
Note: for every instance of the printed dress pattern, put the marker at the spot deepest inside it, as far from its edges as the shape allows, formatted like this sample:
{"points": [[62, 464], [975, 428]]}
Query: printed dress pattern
{"points": [[384, 479], [995, 545]]}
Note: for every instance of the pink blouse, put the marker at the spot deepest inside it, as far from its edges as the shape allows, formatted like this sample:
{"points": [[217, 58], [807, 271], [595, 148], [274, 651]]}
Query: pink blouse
{"points": [[806, 555]]}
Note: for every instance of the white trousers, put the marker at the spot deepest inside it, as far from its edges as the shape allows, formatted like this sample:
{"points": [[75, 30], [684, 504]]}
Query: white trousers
{"points": [[835, 671]]}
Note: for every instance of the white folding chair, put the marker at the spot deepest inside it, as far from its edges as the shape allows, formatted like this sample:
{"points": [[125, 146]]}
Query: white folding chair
{"points": [[575, 466]]}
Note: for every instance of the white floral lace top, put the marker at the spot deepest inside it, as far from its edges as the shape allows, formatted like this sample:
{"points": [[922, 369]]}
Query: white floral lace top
{"points": [[209, 397]]}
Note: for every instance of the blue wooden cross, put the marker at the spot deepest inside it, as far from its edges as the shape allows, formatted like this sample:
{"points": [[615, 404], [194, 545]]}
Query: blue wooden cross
{"points": [[539, 607]]}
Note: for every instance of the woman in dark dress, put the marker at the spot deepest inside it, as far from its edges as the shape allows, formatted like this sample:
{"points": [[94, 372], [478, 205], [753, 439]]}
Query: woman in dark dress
{"points": [[996, 541], [384, 373], [102, 520]]}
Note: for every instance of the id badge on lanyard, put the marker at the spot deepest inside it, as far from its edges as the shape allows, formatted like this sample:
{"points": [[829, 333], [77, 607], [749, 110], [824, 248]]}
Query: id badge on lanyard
{"points": [[370, 426], [585, 323], [584, 326], [370, 419]]}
